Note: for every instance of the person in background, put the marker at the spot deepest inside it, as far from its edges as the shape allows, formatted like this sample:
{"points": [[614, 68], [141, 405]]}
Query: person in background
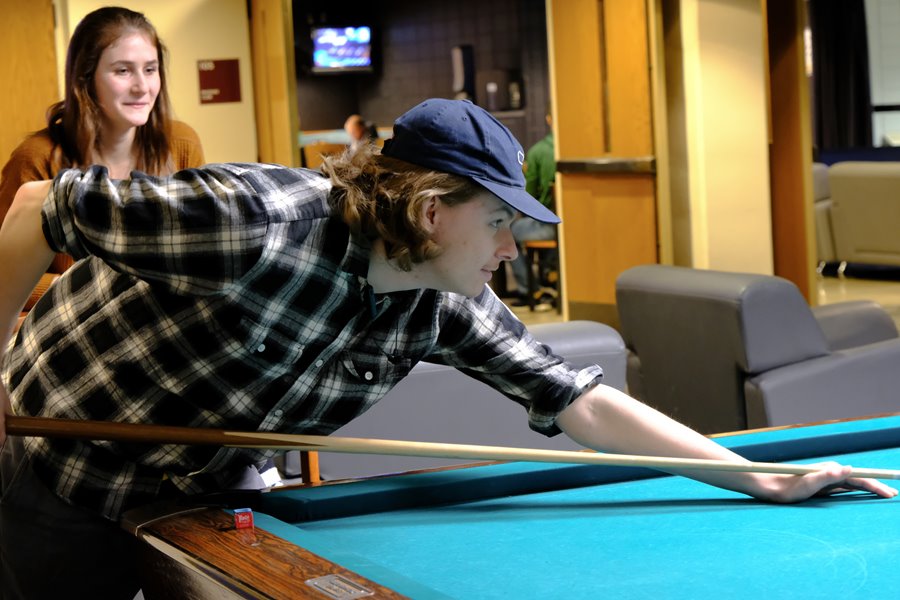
{"points": [[361, 132], [540, 174], [260, 297], [116, 113]]}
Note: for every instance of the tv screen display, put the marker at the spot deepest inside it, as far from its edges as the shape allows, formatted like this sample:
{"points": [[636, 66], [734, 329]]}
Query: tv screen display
{"points": [[342, 49]]}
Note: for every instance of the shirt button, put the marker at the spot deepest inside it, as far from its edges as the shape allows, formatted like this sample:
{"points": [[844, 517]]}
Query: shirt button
{"points": [[278, 413], [320, 362], [261, 348], [368, 376]]}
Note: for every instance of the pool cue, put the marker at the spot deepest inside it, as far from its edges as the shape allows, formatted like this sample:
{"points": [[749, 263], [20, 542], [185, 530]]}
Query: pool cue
{"points": [[161, 434]]}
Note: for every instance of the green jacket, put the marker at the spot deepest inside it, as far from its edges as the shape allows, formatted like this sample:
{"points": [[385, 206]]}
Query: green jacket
{"points": [[540, 170]]}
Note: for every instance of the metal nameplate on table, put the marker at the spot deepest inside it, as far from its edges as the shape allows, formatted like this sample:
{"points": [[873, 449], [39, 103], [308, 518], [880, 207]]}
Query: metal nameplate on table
{"points": [[338, 587]]}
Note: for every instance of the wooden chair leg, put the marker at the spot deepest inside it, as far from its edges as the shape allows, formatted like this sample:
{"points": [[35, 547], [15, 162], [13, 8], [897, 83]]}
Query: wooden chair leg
{"points": [[309, 467], [533, 255]]}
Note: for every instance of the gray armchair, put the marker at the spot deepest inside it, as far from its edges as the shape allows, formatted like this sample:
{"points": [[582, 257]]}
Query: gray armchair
{"points": [[730, 351], [822, 210], [865, 211]]}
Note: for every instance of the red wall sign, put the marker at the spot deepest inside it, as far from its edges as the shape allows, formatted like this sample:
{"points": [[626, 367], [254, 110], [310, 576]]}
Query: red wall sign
{"points": [[220, 81]]}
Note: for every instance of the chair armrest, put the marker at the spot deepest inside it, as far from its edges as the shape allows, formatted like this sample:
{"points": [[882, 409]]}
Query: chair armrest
{"points": [[845, 384], [634, 377], [587, 342], [855, 323]]}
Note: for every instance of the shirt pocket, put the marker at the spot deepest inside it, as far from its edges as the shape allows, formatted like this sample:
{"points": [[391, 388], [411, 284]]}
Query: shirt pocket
{"points": [[374, 371], [264, 344], [363, 378]]}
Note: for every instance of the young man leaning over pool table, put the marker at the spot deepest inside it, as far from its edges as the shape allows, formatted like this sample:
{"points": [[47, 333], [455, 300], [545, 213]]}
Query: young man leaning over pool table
{"points": [[257, 297]]}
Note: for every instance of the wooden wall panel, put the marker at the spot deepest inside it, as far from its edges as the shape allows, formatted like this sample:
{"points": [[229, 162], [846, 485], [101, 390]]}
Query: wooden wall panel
{"points": [[600, 72], [576, 76], [27, 68], [605, 228], [274, 81], [790, 152], [628, 77]]}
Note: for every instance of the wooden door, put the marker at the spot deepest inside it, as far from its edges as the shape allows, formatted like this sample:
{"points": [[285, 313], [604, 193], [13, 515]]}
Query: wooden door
{"points": [[790, 146], [274, 81], [27, 68], [603, 100]]}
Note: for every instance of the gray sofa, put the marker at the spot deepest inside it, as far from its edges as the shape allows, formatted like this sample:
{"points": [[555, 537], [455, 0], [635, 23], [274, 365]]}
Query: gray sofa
{"points": [[729, 351], [822, 211], [440, 404], [865, 212]]}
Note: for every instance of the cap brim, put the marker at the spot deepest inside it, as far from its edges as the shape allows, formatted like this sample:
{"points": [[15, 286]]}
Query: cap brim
{"points": [[520, 200]]}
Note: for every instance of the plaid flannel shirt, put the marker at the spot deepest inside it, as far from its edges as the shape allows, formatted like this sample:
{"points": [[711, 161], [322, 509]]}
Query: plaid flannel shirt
{"points": [[231, 297]]}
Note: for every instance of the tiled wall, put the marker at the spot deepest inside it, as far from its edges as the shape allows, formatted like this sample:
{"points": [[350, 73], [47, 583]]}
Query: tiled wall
{"points": [[416, 38]]}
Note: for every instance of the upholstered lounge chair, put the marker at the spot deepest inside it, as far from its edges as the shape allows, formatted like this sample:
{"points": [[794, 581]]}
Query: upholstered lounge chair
{"points": [[729, 351], [865, 212], [822, 210]]}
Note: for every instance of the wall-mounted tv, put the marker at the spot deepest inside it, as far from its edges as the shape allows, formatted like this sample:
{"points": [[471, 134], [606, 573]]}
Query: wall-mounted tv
{"points": [[342, 49]]}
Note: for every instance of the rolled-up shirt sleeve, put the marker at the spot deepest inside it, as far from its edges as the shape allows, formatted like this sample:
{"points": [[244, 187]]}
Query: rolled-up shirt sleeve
{"points": [[194, 232], [483, 339]]}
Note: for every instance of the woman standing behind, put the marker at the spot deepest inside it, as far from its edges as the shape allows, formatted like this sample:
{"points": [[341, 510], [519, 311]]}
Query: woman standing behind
{"points": [[116, 113]]}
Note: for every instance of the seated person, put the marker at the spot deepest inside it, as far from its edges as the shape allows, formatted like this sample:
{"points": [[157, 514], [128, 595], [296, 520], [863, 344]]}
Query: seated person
{"points": [[540, 174], [360, 131]]}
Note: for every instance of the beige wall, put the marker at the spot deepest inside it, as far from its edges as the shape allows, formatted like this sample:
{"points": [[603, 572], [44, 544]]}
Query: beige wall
{"points": [[193, 30], [721, 206]]}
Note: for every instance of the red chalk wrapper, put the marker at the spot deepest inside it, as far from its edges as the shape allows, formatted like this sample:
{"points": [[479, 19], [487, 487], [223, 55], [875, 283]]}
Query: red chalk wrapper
{"points": [[243, 518]]}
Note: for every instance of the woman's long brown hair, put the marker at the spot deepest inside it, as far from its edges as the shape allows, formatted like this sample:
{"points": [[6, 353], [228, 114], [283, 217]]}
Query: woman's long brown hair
{"points": [[74, 123]]}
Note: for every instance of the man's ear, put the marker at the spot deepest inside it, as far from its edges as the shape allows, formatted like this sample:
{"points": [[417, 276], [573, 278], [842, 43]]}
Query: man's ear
{"points": [[431, 213]]}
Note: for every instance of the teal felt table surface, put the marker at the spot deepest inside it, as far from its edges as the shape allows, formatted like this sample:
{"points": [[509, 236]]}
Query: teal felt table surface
{"points": [[556, 531]]}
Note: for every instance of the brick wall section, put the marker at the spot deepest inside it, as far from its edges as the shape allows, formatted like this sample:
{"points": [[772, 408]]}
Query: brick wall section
{"points": [[416, 37]]}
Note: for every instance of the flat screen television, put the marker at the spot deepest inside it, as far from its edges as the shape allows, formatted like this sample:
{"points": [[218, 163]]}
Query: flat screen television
{"points": [[342, 49]]}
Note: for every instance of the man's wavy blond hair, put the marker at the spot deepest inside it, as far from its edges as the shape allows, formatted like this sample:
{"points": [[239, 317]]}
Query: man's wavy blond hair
{"points": [[382, 197]]}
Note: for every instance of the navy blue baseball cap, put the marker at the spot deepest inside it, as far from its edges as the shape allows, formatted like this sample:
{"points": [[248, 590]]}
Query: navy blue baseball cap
{"points": [[460, 138]]}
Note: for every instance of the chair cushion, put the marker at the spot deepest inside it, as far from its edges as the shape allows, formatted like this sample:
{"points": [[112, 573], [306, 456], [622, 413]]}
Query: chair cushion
{"points": [[821, 190], [763, 320], [865, 211], [698, 334]]}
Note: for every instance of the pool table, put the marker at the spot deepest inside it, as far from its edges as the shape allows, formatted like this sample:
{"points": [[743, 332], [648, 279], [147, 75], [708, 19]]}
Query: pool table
{"points": [[517, 530]]}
